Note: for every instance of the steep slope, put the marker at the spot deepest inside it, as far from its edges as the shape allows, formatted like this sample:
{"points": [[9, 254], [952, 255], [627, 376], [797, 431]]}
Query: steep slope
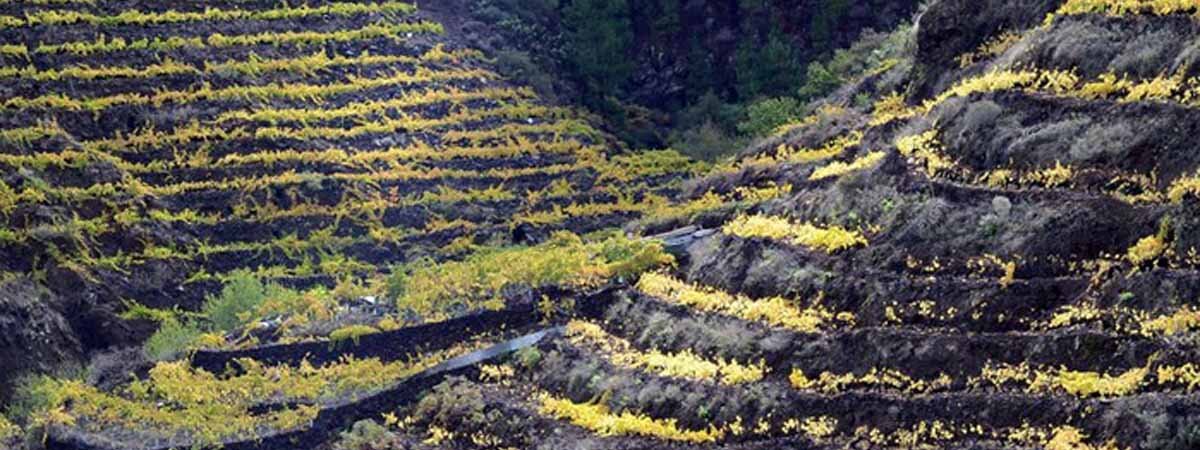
{"points": [[1001, 257], [151, 151]]}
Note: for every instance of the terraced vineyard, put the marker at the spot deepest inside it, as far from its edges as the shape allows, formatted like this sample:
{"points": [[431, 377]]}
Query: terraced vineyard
{"points": [[320, 154], [1002, 256], [311, 145]]}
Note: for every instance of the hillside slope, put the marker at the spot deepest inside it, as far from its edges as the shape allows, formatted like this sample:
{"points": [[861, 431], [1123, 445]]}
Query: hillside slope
{"points": [[999, 257], [1002, 256], [150, 152]]}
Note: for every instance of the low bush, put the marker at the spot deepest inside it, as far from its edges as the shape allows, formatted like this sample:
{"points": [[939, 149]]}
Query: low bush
{"points": [[706, 142], [242, 294], [765, 116], [364, 435], [33, 394], [243, 298], [872, 53], [454, 404], [172, 338]]}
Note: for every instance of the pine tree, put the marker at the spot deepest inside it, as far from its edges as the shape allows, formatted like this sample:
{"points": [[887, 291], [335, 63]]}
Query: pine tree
{"points": [[766, 71], [599, 34]]}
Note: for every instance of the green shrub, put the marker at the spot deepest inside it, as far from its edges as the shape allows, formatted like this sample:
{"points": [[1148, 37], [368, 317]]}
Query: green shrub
{"points": [[33, 393], [242, 294], [765, 116], [871, 52], [819, 82], [365, 435], [528, 357], [172, 338], [707, 142]]}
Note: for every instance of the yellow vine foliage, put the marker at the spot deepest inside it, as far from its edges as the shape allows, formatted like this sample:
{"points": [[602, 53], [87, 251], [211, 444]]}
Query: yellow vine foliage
{"points": [[104, 44], [1185, 319], [1071, 438], [755, 195], [832, 383], [1087, 384], [1127, 7], [1049, 177], [1184, 187], [838, 168], [711, 201], [136, 17], [8, 430], [830, 240], [396, 156], [177, 399], [1074, 314], [774, 311], [890, 107], [819, 427], [598, 419], [294, 91], [166, 67], [926, 149], [684, 364], [1078, 383], [1187, 375], [371, 108], [1146, 250], [785, 153], [1158, 88], [351, 333], [990, 49]]}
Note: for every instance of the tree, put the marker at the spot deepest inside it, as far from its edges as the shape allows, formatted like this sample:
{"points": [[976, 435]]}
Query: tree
{"points": [[769, 70], [599, 35], [823, 24]]}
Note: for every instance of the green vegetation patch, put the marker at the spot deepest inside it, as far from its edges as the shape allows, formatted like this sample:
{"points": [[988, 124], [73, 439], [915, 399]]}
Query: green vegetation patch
{"points": [[431, 290]]}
